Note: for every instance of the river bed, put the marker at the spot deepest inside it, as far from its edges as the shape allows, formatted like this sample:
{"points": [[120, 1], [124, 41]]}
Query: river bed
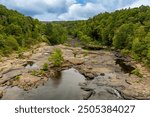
{"points": [[64, 87]]}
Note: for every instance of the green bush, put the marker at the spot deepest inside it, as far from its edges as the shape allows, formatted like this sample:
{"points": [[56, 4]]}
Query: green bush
{"points": [[11, 43], [56, 58], [45, 67]]}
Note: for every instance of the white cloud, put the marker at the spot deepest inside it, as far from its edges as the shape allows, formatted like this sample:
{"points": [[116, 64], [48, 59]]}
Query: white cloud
{"points": [[138, 3], [49, 10], [79, 11]]}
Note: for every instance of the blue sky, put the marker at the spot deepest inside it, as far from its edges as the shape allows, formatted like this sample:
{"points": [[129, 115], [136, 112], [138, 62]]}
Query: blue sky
{"points": [[56, 10]]}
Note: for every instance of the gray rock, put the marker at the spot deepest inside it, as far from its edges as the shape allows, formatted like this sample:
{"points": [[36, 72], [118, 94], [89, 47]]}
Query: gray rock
{"points": [[87, 88], [87, 95]]}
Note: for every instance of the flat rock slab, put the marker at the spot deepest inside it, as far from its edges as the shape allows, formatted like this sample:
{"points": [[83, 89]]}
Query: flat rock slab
{"points": [[76, 61], [9, 75]]}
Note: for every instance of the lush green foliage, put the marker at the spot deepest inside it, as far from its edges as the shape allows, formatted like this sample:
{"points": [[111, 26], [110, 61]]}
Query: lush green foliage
{"points": [[56, 58], [18, 32], [56, 33], [45, 67], [127, 30]]}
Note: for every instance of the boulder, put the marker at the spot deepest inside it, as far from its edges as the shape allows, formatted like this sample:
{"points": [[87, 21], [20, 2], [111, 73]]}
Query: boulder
{"points": [[26, 54], [27, 81]]}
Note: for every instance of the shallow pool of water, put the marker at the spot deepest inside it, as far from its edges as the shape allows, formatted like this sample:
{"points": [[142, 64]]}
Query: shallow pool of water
{"points": [[65, 87]]}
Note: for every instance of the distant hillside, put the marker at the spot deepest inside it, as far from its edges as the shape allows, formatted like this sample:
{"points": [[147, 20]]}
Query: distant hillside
{"points": [[18, 32]]}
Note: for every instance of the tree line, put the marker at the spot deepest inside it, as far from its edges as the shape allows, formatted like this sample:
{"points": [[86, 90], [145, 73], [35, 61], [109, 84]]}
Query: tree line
{"points": [[19, 32], [128, 30]]}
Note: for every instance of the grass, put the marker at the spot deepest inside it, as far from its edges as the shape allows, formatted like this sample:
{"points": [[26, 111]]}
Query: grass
{"points": [[17, 77], [137, 73], [38, 73]]}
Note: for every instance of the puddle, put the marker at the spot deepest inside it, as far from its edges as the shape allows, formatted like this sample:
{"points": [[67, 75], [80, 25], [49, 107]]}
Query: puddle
{"points": [[126, 68], [30, 65], [65, 87]]}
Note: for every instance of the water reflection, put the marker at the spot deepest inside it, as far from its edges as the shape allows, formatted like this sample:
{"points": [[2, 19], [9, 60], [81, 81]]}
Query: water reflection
{"points": [[65, 87]]}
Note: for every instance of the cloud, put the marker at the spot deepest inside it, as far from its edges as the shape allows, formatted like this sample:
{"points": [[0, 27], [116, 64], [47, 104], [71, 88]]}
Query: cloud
{"points": [[138, 3], [79, 11], [50, 10]]}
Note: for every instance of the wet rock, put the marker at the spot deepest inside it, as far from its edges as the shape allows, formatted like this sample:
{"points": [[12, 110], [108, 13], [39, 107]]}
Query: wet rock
{"points": [[102, 93], [86, 88], [83, 84], [113, 92], [87, 95]]}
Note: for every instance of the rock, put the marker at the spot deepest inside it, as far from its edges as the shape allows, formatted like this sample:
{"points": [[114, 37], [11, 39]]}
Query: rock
{"points": [[89, 75], [82, 84], [26, 54], [87, 95], [86, 88], [102, 74], [1, 75], [113, 92], [1, 94], [101, 93], [27, 81], [67, 54], [100, 70], [76, 61], [9, 75]]}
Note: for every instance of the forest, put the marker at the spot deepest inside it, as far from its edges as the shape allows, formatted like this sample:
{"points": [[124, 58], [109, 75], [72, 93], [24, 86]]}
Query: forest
{"points": [[126, 30], [18, 32]]}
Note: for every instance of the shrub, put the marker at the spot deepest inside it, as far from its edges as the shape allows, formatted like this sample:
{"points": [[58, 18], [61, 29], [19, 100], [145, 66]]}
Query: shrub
{"points": [[11, 43], [56, 58], [45, 67]]}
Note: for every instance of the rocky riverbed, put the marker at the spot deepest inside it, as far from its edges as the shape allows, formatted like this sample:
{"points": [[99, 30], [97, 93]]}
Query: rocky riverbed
{"points": [[104, 77]]}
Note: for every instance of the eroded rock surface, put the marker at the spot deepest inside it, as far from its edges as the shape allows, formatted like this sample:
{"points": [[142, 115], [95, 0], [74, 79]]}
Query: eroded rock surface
{"points": [[105, 78]]}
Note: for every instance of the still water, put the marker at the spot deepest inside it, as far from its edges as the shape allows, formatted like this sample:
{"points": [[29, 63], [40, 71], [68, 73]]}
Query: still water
{"points": [[65, 87]]}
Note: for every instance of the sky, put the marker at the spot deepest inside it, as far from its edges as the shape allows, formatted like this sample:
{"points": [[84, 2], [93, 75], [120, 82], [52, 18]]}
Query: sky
{"points": [[61, 10]]}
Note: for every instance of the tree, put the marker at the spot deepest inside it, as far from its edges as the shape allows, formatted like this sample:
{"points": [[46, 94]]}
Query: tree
{"points": [[122, 38]]}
